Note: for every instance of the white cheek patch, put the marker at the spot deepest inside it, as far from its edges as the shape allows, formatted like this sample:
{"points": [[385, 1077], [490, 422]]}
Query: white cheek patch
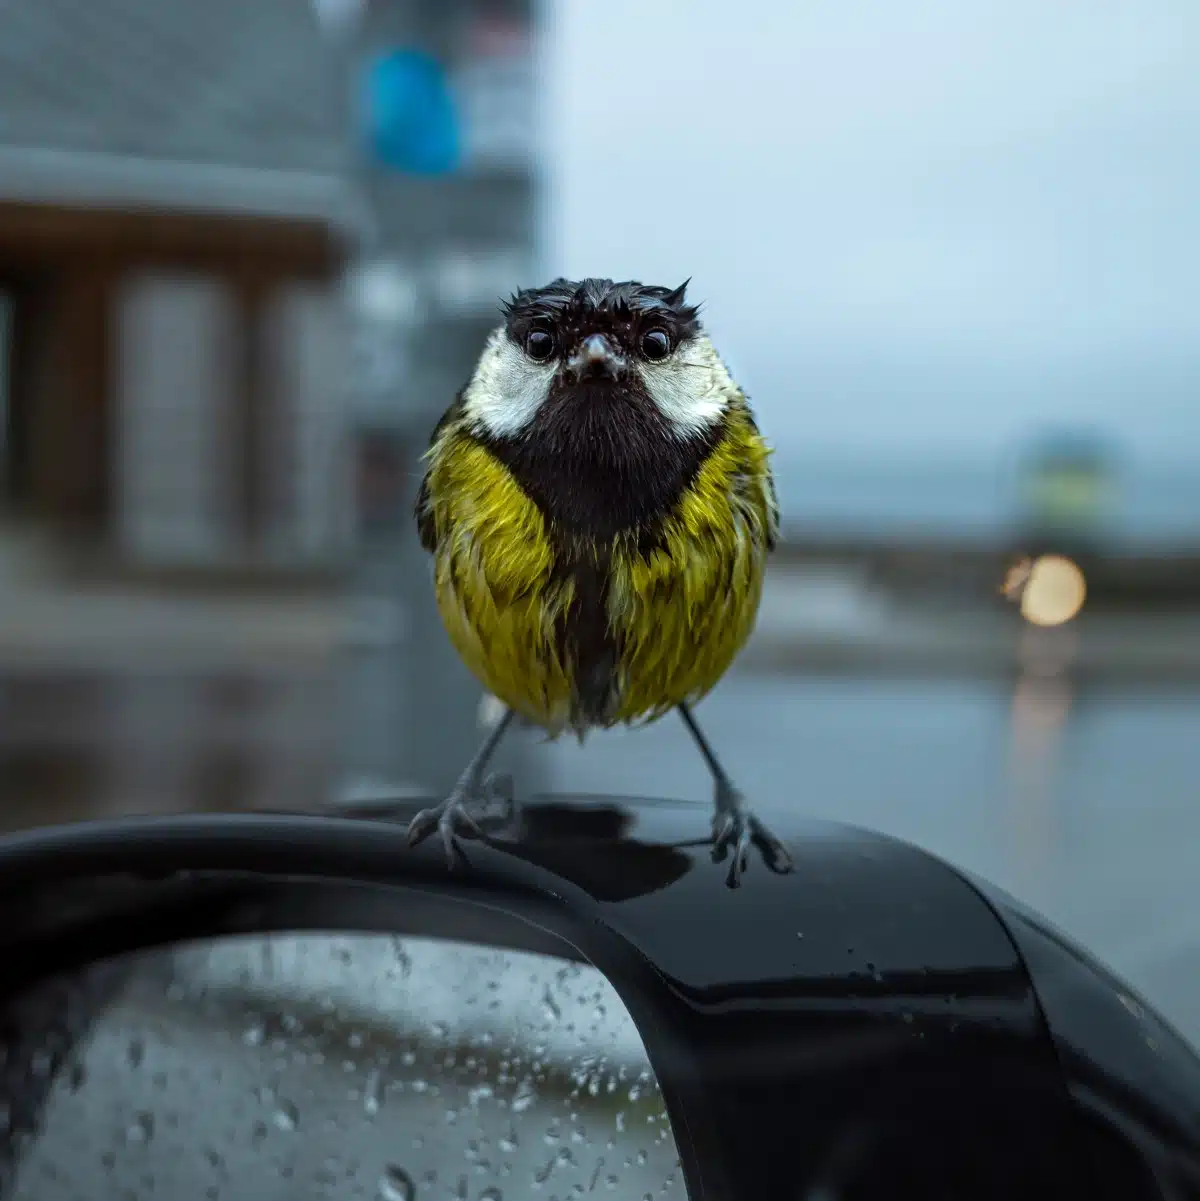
{"points": [[507, 389], [691, 389]]}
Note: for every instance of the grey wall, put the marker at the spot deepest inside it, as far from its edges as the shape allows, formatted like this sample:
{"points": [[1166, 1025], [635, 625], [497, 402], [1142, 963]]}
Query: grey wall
{"points": [[173, 374], [314, 522], [175, 359], [5, 340]]}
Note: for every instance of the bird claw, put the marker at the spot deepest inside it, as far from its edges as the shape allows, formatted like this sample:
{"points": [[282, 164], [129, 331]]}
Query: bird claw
{"points": [[459, 816], [737, 829]]}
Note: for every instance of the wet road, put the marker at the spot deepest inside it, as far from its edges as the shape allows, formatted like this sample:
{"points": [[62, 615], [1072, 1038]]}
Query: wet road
{"points": [[95, 744]]}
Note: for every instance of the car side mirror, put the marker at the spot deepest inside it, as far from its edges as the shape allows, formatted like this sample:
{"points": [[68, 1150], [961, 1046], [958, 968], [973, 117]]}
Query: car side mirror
{"points": [[248, 1006]]}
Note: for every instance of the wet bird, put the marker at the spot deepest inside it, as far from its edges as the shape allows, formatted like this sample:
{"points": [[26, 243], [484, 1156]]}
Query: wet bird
{"points": [[599, 506]]}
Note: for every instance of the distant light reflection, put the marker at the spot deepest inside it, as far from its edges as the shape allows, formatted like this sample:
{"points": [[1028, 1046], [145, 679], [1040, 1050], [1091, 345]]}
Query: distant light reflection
{"points": [[1041, 706]]}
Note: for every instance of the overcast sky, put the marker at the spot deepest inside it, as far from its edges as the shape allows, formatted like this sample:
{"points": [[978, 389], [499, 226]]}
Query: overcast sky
{"points": [[921, 227]]}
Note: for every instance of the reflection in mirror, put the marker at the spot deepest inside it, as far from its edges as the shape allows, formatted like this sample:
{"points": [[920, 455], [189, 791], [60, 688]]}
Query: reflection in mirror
{"points": [[295, 1067]]}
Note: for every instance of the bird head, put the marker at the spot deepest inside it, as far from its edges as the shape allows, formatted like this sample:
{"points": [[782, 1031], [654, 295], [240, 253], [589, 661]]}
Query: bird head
{"points": [[597, 351]]}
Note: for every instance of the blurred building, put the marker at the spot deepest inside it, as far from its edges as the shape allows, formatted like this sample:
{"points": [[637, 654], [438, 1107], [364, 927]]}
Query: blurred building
{"points": [[172, 185]]}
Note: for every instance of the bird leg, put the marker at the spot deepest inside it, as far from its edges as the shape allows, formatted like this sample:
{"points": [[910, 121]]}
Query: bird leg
{"points": [[454, 818], [734, 824]]}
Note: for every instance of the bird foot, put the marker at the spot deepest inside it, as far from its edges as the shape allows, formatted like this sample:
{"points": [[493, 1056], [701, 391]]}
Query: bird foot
{"points": [[736, 828], [460, 815]]}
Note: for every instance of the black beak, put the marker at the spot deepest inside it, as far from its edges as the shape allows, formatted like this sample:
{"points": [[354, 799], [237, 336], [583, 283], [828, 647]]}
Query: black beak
{"points": [[596, 358]]}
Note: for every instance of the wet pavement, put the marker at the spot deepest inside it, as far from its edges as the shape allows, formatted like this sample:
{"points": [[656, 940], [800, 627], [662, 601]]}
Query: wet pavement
{"points": [[101, 744]]}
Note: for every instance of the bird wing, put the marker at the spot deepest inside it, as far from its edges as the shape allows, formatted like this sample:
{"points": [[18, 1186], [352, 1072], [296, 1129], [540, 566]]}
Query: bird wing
{"points": [[768, 482], [423, 509]]}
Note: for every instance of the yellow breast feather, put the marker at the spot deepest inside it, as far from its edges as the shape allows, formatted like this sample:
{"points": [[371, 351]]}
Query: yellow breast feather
{"points": [[497, 591], [682, 614], [678, 616]]}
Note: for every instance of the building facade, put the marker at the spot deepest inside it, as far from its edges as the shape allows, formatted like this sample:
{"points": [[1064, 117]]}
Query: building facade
{"points": [[173, 197]]}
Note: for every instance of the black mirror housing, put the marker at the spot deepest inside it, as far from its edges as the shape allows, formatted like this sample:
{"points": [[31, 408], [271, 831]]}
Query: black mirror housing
{"points": [[875, 1023]]}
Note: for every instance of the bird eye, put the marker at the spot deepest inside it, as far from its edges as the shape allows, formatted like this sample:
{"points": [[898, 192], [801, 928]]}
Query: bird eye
{"points": [[656, 344], [539, 345]]}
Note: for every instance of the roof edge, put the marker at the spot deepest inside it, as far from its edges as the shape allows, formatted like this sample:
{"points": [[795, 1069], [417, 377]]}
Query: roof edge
{"points": [[92, 179]]}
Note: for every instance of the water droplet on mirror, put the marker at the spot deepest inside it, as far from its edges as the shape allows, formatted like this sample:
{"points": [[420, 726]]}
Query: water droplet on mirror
{"points": [[402, 957], [372, 1093], [395, 1184], [524, 1098], [287, 1116], [255, 1035], [140, 1130], [491, 1193], [1132, 1005], [508, 1142]]}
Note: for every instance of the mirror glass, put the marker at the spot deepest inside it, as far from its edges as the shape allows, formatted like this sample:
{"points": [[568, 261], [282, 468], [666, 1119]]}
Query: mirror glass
{"points": [[323, 1066]]}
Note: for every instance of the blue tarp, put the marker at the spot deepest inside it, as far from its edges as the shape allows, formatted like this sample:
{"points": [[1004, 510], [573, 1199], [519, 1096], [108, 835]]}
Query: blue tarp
{"points": [[410, 119]]}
